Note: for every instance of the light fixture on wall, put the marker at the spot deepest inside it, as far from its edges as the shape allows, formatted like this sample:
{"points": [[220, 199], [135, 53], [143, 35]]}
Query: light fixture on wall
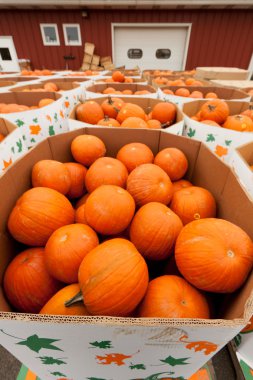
{"points": [[85, 14]]}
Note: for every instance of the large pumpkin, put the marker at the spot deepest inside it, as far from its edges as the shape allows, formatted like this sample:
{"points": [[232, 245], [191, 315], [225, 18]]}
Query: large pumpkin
{"points": [[193, 203], [37, 214], [113, 278], [216, 110], [173, 161], [87, 148], [135, 154], [214, 255], [27, 283], [109, 209], [77, 176], [154, 230], [56, 304], [149, 183], [172, 297], [89, 112], [66, 248]]}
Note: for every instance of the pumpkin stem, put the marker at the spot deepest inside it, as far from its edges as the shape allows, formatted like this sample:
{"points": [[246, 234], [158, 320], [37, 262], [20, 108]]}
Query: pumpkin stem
{"points": [[251, 107], [110, 101], [77, 298], [211, 108]]}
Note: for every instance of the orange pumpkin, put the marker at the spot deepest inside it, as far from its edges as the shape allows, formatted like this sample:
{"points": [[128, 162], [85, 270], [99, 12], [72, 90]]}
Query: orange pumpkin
{"points": [[113, 278], [248, 112], [210, 122], [211, 95], [66, 248], [112, 106], [135, 154], [37, 214], [164, 112], [82, 200], [154, 230], [50, 86], [134, 122], [216, 110], [173, 161], [214, 255], [106, 171], [180, 184], [80, 215], [89, 112], [172, 297], [129, 110], [241, 123], [149, 183], [168, 92], [182, 92], [154, 124], [193, 203], [77, 176], [109, 122], [117, 76], [45, 102], [56, 304], [52, 174], [129, 80], [87, 148], [109, 209], [27, 283], [109, 90], [2, 137], [196, 95], [127, 92]]}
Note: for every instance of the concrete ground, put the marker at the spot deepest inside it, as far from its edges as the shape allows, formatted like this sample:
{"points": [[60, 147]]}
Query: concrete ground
{"points": [[222, 364]]}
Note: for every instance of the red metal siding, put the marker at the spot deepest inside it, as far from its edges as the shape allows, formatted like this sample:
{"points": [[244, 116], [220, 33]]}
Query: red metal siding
{"points": [[218, 37]]}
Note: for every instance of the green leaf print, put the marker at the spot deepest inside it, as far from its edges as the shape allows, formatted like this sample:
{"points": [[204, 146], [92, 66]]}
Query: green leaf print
{"points": [[160, 376], [57, 374], [33, 140], [24, 137], [94, 378], [55, 117], [13, 149], [238, 339], [19, 122], [174, 361], [137, 366], [191, 132], [36, 344], [35, 120], [49, 360], [19, 145], [51, 130], [228, 142], [103, 344], [210, 137]]}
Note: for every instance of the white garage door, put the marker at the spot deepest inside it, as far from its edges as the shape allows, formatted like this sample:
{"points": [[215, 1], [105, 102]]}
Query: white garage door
{"points": [[151, 46]]}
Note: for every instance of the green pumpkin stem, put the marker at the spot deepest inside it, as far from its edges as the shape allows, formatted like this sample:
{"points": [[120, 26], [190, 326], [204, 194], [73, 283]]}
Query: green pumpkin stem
{"points": [[77, 298]]}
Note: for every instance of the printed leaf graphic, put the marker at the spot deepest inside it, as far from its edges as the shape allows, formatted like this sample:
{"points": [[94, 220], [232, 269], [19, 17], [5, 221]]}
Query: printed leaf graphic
{"points": [[221, 151], [238, 340], [103, 344], [7, 163], [51, 130], [228, 142], [160, 376], [12, 149], [50, 360], [35, 120], [210, 137], [49, 118], [36, 344], [61, 114], [24, 137], [94, 378], [58, 374], [19, 123], [174, 361], [137, 366], [55, 117], [67, 104], [206, 347], [19, 145], [34, 129], [33, 140], [191, 132]]}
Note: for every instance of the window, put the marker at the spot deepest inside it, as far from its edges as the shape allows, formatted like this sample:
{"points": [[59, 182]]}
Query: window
{"points": [[163, 53], [5, 54], [72, 34], [50, 34], [134, 53]]}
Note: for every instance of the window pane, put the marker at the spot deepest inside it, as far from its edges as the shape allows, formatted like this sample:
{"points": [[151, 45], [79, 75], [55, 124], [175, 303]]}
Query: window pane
{"points": [[134, 53], [5, 54], [163, 53], [72, 34], [50, 34]]}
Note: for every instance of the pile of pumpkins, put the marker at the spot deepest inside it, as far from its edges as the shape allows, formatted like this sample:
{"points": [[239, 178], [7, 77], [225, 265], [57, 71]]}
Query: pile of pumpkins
{"points": [[13, 107]]}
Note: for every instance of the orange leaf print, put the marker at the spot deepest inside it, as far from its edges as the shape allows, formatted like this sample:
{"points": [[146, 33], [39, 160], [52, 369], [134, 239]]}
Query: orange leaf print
{"points": [[34, 129], [206, 347], [66, 104], [7, 163], [61, 114], [201, 374], [251, 372], [221, 151], [117, 359], [49, 118]]}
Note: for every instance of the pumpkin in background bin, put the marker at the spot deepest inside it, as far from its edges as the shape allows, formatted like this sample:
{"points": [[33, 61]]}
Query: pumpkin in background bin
{"points": [[89, 112], [87, 148], [113, 278], [173, 161], [214, 255], [37, 214], [117, 76], [135, 154]]}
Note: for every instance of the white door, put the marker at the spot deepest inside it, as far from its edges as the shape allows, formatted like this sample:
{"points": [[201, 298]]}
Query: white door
{"points": [[8, 55], [151, 46]]}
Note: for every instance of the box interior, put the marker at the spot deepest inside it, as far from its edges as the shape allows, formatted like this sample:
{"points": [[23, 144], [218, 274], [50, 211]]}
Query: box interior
{"points": [[246, 153], [27, 98], [99, 88], [63, 86], [223, 93]]}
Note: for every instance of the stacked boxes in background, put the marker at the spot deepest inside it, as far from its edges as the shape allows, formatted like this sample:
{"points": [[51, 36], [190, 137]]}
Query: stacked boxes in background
{"points": [[90, 60]]}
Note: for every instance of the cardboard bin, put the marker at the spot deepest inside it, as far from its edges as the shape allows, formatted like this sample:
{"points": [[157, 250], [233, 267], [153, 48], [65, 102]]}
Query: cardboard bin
{"points": [[222, 73], [96, 90]]}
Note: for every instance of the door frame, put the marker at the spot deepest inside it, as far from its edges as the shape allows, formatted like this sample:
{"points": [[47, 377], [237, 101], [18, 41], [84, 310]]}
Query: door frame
{"points": [[14, 57], [152, 25]]}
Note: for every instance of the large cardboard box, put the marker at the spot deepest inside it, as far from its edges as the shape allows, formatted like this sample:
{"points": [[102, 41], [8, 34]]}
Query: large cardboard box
{"points": [[223, 73], [220, 140], [146, 103], [87, 58], [18, 79], [36, 124], [96, 90], [95, 60], [222, 92], [233, 83], [81, 348], [89, 48]]}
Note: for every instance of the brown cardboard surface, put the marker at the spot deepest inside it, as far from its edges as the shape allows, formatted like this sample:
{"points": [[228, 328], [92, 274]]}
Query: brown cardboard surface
{"points": [[3, 304], [230, 73], [99, 88], [233, 83], [62, 86], [246, 152], [19, 79], [7, 83], [222, 92], [27, 98], [191, 108]]}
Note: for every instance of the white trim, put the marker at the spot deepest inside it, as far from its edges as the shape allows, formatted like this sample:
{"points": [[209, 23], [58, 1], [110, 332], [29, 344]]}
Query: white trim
{"points": [[250, 68], [14, 52], [152, 25], [73, 43], [45, 42]]}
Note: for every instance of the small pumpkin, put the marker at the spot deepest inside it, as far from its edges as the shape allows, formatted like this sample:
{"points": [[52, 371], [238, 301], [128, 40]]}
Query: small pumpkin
{"points": [[182, 92], [130, 110], [117, 76], [164, 112], [109, 122], [154, 124], [180, 184], [216, 110], [134, 122], [135, 154], [89, 112], [196, 95], [241, 123], [211, 95], [112, 106], [173, 161], [248, 112], [87, 148], [77, 177], [210, 122]]}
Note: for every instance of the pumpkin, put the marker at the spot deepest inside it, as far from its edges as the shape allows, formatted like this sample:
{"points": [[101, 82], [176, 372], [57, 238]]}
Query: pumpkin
{"points": [[134, 122], [172, 297], [56, 304], [66, 248], [193, 203], [164, 112], [216, 110], [241, 123], [127, 92], [50, 86], [109, 122], [52, 174], [214, 255], [27, 283], [197, 95], [248, 112], [82, 200], [77, 176], [154, 230], [80, 215], [112, 106], [106, 171], [45, 102], [129, 110], [37, 214], [135, 154], [117, 76], [2, 137], [168, 92], [211, 95], [149, 183], [87, 148], [210, 122], [154, 124], [113, 278], [109, 90], [109, 209], [89, 112], [129, 80], [180, 184], [173, 161], [182, 92]]}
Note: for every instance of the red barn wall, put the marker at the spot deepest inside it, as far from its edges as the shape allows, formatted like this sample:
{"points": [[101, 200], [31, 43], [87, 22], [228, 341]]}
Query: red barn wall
{"points": [[218, 37]]}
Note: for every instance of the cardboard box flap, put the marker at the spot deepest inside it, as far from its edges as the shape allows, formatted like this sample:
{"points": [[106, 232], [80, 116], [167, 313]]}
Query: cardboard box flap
{"points": [[246, 153]]}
